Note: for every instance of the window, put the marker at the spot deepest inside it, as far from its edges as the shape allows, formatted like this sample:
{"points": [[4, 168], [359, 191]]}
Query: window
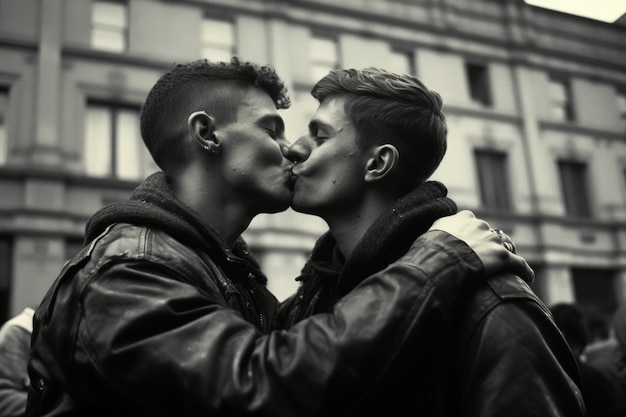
{"points": [[478, 81], [560, 94], [5, 277], [109, 25], [493, 179], [4, 106], [401, 62], [113, 144], [324, 56], [218, 40], [574, 188]]}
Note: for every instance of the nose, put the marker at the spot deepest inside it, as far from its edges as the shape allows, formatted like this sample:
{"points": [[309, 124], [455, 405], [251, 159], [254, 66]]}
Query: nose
{"points": [[300, 150]]}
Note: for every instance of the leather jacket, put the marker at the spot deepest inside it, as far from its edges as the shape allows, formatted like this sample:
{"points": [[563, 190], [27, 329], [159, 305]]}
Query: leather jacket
{"points": [[156, 318], [497, 353]]}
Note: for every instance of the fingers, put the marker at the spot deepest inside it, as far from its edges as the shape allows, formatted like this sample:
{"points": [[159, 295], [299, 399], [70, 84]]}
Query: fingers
{"points": [[520, 267], [506, 240], [495, 248]]}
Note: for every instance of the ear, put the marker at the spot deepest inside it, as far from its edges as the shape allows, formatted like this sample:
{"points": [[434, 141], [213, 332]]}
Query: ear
{"points": [[384, 158], [202, 130]]}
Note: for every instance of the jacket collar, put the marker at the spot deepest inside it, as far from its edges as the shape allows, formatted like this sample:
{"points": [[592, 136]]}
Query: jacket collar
{"points": [[388, 238], [153, 204]]}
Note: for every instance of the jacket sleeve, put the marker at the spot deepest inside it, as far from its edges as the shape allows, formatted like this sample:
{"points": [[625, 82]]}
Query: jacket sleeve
{"points": [[518, 364], [172, 349]]}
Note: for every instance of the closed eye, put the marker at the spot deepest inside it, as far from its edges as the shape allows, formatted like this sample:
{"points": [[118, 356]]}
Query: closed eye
{"points": [[272, 133], [320, 131], [273, 125]]}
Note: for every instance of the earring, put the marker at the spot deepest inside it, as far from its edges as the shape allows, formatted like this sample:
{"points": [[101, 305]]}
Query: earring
{"points": [[215, 146]]}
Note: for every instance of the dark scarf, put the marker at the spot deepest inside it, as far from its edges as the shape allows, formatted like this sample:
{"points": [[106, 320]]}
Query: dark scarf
{"points": [[152, 204], [387, 239]]}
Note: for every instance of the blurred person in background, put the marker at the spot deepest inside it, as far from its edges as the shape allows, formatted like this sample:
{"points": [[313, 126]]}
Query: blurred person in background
{"points": [[610, 354], [603, 350], [14, 351], [602, 393], [373, 142], [164, 312]]}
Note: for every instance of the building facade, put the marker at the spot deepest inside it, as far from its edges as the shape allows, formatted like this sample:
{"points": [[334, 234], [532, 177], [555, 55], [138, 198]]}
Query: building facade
{"points": [[535, 102]]}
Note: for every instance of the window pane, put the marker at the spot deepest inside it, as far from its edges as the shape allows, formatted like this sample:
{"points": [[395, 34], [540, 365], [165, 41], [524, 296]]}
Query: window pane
{"points": [[478, 81], [574, 188], [218, 40], [561, 100], [493, 179], [98, 144], [557, 92], [109, 14], [108, 41], [109, 22], [129, 155], [218, 32]]}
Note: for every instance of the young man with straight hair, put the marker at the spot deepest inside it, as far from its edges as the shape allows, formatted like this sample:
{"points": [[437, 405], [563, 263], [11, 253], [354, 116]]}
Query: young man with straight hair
{"points": [[165, 313], [373, 142]]}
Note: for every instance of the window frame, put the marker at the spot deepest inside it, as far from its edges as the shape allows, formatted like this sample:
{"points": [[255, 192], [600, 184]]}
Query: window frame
{"points": [[104, 28], [478, 77], [575, 192], [114, 110], [205, 44], [566, 104], [493, 178]]}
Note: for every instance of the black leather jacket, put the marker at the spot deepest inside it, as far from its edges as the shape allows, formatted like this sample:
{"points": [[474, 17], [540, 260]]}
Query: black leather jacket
{"points": [[498, 352], [157, 318]]}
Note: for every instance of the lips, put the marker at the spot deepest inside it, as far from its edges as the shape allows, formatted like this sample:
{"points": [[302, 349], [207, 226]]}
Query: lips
{"points": [[292, 180]]}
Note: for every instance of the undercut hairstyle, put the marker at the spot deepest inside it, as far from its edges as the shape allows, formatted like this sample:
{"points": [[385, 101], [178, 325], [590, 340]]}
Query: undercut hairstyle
{"points": [[390, 108], [215, 87]]}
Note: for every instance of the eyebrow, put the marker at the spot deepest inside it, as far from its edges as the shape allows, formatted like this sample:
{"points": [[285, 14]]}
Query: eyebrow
{"points": [[316, 125], [273, 119]]}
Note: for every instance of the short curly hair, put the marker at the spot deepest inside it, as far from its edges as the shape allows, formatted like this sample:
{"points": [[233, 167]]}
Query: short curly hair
{"points": [[215, 87], [392, 108]]}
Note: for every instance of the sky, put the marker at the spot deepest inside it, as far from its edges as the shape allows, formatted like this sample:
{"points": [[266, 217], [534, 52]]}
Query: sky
{"points": [[605, 10]]}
